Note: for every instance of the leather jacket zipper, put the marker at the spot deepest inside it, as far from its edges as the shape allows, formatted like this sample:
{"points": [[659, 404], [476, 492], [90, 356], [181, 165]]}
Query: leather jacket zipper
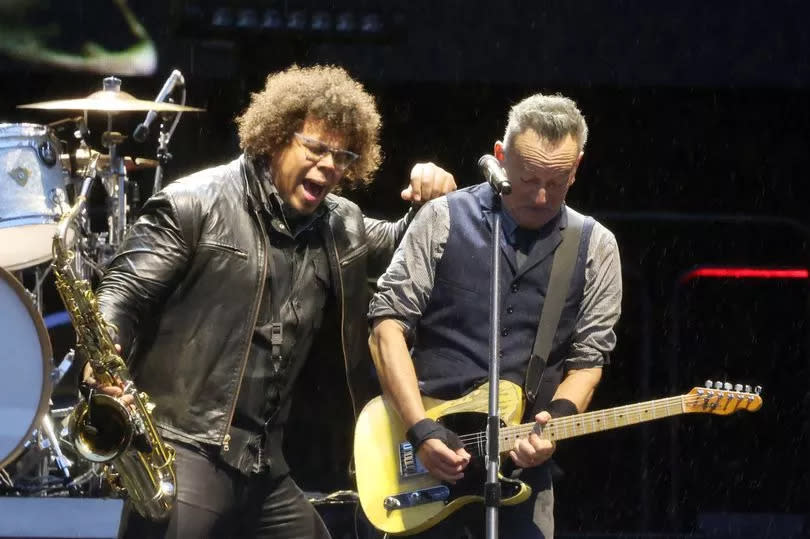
{"points": [[360, 251], [343, 317], [227, 438]]}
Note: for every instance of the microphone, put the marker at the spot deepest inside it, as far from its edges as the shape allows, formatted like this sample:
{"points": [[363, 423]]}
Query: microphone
{"points": [[494, 174], [175, 79]]}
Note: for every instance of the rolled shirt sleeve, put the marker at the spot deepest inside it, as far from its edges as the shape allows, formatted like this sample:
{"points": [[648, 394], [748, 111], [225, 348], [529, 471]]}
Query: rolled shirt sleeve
{"points": [[404, 290], [594, 337]]}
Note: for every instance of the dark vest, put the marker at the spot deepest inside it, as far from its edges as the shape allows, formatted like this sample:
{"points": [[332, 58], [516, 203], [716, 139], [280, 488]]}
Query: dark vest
{"points": [[451, 345]]}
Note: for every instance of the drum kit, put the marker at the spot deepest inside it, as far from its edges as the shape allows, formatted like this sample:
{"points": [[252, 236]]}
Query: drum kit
{"points": [[40, 176]]}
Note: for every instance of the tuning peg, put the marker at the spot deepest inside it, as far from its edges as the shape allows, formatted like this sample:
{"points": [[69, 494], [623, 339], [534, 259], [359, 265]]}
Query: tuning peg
{"points": [[738, 387], [709, 384], [727, 386], [747, 388], [718, 385], [758, 390]]}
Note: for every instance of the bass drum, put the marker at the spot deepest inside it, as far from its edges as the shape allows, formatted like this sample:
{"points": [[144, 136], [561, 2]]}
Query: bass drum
{"points": [[25, 363]]}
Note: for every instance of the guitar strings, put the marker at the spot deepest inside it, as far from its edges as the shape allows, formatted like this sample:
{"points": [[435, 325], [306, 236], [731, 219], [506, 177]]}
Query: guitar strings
{"points": [[569, 422]]}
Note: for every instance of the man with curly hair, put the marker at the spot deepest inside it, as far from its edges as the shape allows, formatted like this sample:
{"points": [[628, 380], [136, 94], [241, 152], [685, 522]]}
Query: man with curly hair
{"points": [[229, 278]]}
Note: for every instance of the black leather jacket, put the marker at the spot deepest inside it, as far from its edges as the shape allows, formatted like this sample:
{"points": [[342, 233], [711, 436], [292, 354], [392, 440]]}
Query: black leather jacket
{"points": [[184, 292]]}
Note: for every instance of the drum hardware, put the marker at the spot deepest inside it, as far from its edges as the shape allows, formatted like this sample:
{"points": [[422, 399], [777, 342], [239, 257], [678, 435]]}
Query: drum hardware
{"points": [[82, 156], [111, 100], [36, 171], [5, 478], [59, 124], [61, 370], [163, 156], [115, 181], [32, 193], [49, 441]]}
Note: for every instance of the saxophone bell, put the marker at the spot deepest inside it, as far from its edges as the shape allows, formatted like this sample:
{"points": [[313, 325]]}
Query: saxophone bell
{"points": [[101, 429]]}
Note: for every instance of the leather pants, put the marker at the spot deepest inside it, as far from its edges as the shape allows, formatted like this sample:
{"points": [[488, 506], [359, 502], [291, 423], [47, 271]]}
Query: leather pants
{"points": [[213, 500]]}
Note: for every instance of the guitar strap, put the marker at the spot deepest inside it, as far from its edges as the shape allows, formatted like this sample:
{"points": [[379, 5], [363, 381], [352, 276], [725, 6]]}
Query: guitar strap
{"points": [[562, 269]]}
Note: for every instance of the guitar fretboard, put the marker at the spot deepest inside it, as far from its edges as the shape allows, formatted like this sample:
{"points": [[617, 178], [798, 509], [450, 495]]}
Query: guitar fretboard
{"points": [[597, 421]]}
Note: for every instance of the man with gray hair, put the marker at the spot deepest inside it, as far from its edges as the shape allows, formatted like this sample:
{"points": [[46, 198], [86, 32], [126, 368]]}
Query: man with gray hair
{"points": [[434, 298]]}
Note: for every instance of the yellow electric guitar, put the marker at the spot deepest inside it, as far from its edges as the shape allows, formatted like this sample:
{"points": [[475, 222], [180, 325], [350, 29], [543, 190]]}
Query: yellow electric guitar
{"points": [[399, 497]]}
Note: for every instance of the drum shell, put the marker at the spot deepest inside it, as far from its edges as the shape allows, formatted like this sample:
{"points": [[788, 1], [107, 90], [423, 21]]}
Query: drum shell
{"points": [[32, 194], [25, 361]]}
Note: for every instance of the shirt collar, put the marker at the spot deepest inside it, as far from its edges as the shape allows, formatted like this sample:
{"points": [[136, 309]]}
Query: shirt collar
{"points": [[510, 226], [274, 205]]}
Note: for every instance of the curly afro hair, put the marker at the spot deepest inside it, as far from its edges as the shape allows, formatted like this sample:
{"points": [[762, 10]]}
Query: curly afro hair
{"points": [[323, 93]]}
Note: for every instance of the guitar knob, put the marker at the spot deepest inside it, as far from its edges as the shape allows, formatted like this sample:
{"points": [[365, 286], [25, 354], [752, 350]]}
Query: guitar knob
{"points": [[738, 387], [718, 385], [727, 386], [747, 388], [758, 390], [709, 384]]}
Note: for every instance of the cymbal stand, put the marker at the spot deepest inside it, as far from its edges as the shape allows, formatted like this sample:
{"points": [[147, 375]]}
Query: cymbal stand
{"points": [[51, 442], [116, 178], [116, 184]]}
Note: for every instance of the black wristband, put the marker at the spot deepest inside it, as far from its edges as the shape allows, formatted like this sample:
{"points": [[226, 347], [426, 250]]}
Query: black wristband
{"points": [[425, 429], [561, 408]]}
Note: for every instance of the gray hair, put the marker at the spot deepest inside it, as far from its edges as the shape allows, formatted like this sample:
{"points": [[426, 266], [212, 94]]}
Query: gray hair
{"points": [[552, 117]]}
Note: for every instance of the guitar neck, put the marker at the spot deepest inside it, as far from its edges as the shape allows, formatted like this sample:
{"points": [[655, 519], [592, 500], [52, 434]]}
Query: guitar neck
{"points": [[597, 421]]}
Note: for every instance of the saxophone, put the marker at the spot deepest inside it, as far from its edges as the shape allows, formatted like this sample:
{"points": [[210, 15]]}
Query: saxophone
{"points": [[102, 428]]}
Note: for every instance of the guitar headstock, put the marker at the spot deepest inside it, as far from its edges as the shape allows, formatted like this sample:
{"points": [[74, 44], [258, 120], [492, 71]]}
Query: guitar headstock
{"points": [[722, 398]]}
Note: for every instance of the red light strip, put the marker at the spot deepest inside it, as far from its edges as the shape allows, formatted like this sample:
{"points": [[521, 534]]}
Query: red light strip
{"points": [[746, 273]]}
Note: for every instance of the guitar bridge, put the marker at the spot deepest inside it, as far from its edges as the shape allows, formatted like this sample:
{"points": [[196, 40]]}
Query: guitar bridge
{"points": [[409, 464], [417, 497]]}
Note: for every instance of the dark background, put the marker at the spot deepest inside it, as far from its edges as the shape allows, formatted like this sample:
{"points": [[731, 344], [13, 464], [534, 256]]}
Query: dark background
{"points": [[698, 152]]}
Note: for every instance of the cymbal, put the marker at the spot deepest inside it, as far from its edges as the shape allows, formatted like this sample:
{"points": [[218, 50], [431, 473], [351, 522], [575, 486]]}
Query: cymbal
{"points": [[82, 158], [109, 101]]}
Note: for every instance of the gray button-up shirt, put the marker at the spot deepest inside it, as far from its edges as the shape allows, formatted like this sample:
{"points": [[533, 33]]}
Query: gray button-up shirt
{"points": [[405, 288]]}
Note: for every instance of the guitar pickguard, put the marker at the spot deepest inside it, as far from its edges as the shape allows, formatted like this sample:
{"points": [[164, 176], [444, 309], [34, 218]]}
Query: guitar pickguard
{"points": [[466, 425]]}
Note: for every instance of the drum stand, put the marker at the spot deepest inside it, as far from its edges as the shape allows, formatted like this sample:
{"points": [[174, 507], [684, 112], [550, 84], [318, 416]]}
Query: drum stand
{"points": [[116, 184]]}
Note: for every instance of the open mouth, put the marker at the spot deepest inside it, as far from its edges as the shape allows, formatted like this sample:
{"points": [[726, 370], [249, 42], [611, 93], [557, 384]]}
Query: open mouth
{"points": [[312, 190]]}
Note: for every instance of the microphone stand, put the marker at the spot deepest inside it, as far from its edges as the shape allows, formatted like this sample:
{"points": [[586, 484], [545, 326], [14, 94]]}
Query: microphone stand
{"points": [[163, 156], [492, 486]]}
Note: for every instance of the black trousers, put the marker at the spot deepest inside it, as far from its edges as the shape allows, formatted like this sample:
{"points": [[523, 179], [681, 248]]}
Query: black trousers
{"points": [[214, 500]]}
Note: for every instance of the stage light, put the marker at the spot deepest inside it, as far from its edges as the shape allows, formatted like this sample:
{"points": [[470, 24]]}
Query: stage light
{"points": [[272, 20], [371, 23], [745, 273], [247, 18], [276, 20], [223, 17], [345, 22], [297, 20], [321, 21]]}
